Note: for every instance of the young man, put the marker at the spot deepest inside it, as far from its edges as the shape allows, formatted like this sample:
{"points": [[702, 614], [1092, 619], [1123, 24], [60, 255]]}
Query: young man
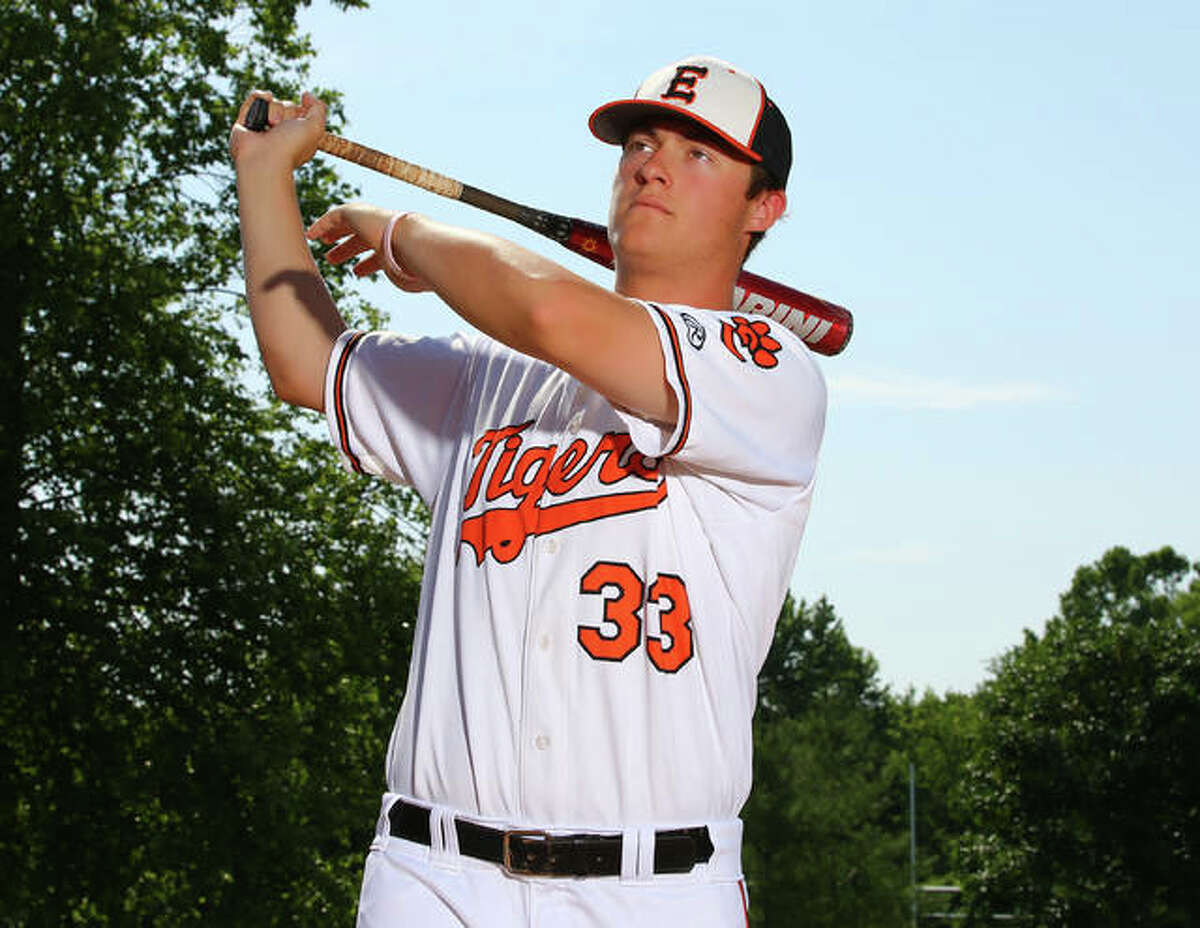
{"points": [[618, 484]]}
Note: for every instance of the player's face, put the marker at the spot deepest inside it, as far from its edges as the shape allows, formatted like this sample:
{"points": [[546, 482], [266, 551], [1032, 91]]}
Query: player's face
{"points": [[679, 198]]}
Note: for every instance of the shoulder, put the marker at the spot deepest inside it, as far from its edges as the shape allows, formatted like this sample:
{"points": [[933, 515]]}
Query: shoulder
{"points": [[759, 344]]}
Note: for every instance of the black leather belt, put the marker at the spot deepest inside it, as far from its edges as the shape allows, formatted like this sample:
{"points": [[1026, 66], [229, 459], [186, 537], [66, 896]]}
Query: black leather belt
{"points": [[536, 853]]}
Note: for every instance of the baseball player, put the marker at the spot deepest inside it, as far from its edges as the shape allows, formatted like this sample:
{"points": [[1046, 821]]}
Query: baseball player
{"points": [[618, 484]]}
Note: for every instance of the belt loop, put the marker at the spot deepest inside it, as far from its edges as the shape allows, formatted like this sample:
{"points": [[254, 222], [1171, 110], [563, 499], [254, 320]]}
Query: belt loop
{"points": [[383, 826], [443, 839], [726, 860], [629, 855], [645, 854], [450, 834]]}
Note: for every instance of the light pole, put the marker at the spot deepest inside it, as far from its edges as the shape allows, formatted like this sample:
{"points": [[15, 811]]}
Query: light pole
{"points": [[912, 836]]}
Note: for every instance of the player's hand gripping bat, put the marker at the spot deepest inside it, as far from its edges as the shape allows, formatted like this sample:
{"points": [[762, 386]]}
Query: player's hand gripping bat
{"points": [[825, 327]]}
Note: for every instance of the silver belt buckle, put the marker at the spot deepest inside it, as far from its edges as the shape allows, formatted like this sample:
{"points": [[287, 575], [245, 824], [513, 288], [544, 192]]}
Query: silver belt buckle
{"points": [[524, 833]]}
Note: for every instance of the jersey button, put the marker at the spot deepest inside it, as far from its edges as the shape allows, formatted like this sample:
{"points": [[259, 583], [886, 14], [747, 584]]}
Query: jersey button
{"points": [[576, 422], [544, 642], [541, 742], [551, 545]]}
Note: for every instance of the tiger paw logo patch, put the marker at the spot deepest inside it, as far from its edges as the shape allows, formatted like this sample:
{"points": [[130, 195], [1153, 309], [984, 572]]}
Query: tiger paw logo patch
{"points": [[750, 340]]}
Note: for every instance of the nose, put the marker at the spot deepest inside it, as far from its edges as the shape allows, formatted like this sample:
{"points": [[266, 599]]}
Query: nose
{"points": [[654, 168]]}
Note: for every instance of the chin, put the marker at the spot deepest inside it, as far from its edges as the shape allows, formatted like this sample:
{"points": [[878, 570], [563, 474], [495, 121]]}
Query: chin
{"points": [[645, 240], [641, 254]]}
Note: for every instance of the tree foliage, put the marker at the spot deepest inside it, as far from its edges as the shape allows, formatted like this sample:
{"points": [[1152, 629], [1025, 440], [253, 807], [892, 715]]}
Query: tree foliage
{"points": [[1084, 791], [825, 844], [938, 735], [206, 623]]}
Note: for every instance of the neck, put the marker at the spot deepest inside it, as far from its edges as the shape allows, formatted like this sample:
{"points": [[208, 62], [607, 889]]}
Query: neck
{"points": [[710, 290]]}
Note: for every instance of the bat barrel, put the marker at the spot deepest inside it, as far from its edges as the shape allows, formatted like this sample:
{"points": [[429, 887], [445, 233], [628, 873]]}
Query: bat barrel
{"points": [[823, 326]]}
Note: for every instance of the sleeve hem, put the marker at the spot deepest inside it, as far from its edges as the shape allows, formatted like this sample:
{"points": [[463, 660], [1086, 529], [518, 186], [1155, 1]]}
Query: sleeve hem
{"points": [[676, 379], [651, 438], [336, 415]]}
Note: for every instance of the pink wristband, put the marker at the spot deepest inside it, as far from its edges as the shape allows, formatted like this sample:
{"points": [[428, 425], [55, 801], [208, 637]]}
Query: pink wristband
{"points": [[388, 260]]}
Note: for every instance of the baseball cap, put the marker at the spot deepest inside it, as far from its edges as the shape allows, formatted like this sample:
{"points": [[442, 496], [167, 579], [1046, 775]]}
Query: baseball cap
{"points": [[715, 94]]}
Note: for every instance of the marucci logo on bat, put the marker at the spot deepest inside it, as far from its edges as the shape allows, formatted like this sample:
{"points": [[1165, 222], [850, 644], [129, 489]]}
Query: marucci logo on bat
{"points": [[527, 474]]}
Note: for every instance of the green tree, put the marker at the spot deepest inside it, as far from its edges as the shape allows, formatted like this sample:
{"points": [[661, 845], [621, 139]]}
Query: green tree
{"points": [[1085, 788], [206, 624], [825, 844], [938, 735]]}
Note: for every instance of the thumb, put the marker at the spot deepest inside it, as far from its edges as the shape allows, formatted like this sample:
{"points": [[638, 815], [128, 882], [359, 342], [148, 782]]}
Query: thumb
{"points": [[314, 109], [313, 113]]}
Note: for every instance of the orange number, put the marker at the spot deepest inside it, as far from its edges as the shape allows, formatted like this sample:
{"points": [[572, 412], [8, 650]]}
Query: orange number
{"points": [[675, 622], [621, 631]]}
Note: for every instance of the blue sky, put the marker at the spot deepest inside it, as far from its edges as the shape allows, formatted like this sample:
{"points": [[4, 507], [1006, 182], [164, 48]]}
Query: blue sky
{"points": [[1005, 195]]}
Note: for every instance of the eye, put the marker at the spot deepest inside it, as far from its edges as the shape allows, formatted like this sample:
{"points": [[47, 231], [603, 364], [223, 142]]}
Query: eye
{"points": [[700, 154]]}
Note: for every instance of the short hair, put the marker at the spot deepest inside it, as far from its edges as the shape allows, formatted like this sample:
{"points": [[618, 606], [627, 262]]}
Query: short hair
{"points": [[760, 180]]}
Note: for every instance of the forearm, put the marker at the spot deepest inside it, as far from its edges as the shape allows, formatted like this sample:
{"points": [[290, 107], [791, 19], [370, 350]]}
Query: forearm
{"points": [[543, 310], [514, 295], [294, 317]]}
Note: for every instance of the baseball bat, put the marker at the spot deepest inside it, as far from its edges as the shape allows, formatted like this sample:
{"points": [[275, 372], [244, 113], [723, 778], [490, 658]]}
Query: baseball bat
{"points": [[825, 327]]}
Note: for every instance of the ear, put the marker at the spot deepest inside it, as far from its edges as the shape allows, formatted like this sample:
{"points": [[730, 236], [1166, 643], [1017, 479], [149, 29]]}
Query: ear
{"points": [[765, 209]]}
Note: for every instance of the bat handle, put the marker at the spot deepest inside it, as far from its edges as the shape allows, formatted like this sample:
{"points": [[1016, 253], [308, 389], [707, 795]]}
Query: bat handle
{"points": [[591, 241], [257, 119], [258, 115]]}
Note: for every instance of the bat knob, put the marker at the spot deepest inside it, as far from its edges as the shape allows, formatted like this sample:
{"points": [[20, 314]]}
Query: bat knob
{"points": [[257, 117]]}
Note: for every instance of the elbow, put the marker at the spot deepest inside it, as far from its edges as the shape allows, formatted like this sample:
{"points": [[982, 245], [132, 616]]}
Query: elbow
{"points": [[297, 392], [537, 328], [296, 370]]}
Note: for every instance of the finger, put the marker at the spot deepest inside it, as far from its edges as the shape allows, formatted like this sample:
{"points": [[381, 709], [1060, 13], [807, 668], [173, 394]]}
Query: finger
{"points": [[368, 265], [346, 250], [330, 227], [314, 108], [329, 233], [316, 228], [281, 110], [334, 256]]}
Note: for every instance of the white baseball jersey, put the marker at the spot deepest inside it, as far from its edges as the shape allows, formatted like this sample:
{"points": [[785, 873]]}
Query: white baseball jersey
{"points": [[599, 591]]}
